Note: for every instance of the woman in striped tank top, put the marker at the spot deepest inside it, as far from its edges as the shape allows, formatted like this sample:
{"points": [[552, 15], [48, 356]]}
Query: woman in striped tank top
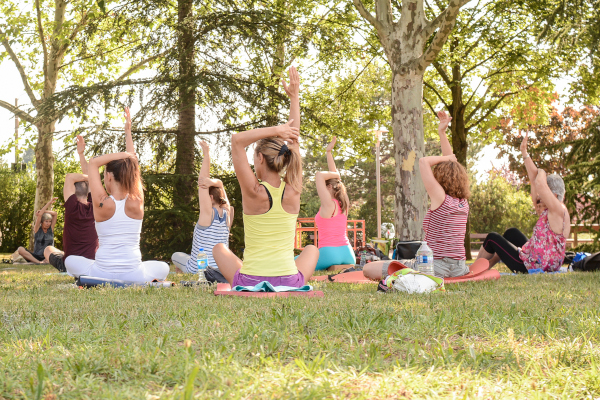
{"points": [[270, 204], [214, 223], [331, 220], [445, 223]]}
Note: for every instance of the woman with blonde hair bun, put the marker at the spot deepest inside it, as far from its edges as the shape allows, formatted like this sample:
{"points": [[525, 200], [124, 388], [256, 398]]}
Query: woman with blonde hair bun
{"points": [[270, 202], [332, 218]]}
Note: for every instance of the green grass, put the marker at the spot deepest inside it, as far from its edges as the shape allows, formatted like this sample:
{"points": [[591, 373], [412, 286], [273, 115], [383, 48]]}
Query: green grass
{"points": [[522, 337]]}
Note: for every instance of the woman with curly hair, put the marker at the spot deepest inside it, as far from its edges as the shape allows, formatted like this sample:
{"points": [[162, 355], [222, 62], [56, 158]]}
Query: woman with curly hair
{"points": [[546, 248], [445, 223]]}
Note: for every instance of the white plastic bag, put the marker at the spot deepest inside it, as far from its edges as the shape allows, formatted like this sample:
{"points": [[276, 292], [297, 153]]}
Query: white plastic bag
{"points": [[415, 283]]}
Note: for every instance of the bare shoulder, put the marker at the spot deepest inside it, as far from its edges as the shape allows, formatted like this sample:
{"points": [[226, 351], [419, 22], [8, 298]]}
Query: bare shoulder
{"points": [[134, 208]]}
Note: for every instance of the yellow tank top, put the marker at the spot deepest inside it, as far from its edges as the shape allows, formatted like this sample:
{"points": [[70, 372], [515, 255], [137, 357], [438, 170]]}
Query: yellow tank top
{"points": [[269, 239]]}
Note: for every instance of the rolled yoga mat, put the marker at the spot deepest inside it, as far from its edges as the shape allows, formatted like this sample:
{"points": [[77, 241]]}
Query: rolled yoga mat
{"points": [[224, 289]]}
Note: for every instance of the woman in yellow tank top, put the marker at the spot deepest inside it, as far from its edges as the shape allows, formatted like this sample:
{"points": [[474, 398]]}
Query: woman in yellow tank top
{"points": [[270, 204]]}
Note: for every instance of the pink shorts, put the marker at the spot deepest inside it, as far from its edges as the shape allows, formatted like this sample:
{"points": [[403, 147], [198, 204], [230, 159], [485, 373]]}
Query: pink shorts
{"points": [[296, 280]]}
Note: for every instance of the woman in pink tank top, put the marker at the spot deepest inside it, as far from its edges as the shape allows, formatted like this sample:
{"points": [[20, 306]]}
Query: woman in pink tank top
{"points": [[331, 220]]}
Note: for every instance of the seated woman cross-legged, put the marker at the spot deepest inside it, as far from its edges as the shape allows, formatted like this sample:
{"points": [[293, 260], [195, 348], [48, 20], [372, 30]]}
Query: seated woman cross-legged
{"points": [[214, 223], [331, 220], [118, 221], [447, 184], [270, 205], [45, 221], [546, 248]]}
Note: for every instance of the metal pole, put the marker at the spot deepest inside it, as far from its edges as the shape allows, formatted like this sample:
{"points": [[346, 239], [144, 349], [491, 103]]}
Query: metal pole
{"points": [[378, 186], [17, 137]]}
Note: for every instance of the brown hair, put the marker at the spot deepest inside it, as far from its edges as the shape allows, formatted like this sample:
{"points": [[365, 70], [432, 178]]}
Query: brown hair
{"points": [[81, 189], [126, 171], [281, 159], [339, 193], [453, 177], [217, 195]]}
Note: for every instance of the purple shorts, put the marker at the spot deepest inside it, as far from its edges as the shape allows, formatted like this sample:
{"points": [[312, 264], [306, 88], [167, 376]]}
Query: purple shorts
{"points": [[296, 280]]}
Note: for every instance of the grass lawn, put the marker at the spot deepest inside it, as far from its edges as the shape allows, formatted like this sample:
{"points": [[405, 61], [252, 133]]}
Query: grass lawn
{"points": [[521, 337]]}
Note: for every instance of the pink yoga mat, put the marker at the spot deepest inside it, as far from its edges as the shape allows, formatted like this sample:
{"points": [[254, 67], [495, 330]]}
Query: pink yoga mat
{"points": [[347, 277], [479, 272], [224, 289]]}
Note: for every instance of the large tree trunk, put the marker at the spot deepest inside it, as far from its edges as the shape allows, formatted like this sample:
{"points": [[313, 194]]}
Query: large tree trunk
{"points": [[186, 124], [44, 169], [409, 146], [459, 137]]}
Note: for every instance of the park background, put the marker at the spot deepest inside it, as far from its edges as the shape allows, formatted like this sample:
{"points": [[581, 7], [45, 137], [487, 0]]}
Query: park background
{"points": [[505, 68]]}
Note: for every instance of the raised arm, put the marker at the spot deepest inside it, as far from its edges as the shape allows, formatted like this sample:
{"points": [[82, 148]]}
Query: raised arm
{"points": [[47, 208], [128, 139], [444, 142], [327, 205], [80, 151], [239, 141], [434, 189], [293, 92], [103, 208], [330, 161], [554, 205], [532, 170], [205, 204], [69, 187]]}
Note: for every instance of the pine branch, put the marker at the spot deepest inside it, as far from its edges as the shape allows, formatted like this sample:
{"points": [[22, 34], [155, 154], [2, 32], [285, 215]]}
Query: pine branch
{"points": [[17, 111]]}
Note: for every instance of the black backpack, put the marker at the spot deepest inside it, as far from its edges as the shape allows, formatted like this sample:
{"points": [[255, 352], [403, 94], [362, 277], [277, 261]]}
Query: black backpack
{"points": [[407, 250], [590, 263]]}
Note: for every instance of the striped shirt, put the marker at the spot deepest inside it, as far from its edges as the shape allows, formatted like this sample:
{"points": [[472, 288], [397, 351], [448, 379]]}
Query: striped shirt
{"points": [[206, 237], [445, 228]]}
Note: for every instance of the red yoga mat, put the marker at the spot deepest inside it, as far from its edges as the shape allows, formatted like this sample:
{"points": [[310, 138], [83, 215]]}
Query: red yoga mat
{"points": [[224, 289], [479, 272]]}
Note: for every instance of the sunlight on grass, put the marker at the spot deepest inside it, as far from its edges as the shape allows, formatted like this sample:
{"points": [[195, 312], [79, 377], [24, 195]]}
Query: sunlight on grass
{"points": [[521, 337]]}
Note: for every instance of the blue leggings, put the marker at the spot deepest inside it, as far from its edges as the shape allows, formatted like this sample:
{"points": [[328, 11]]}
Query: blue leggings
{"points": [[329, 256]]}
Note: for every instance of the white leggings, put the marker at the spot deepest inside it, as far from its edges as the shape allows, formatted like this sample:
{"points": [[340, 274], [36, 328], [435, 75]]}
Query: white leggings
{"points": [[146, 272]]}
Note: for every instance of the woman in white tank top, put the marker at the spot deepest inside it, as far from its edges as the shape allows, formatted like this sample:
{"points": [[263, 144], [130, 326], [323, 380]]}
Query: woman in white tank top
{"points": [[118, 220]]}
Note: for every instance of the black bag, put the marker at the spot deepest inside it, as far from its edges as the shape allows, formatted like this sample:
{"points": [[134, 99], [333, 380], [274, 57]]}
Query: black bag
{"points": [[590, 263], [569, 256], [407, 250]]}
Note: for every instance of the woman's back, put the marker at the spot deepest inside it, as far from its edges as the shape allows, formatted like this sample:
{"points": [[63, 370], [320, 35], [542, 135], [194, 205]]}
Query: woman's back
{"points": [[119, 241], [333, 230], [269, 239]]}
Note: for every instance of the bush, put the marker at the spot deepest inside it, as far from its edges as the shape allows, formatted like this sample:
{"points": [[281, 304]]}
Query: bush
{"points": [[496, 205], [17, 195]]}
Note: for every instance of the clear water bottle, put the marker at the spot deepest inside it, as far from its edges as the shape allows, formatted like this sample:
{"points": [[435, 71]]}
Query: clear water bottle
{"points": [[202, 262], [425, 259], [363, 258]]}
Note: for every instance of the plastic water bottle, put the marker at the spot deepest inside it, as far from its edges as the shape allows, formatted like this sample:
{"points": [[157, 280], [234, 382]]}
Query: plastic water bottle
{"points": [[363, 258], [202, 261], [425, 259]]}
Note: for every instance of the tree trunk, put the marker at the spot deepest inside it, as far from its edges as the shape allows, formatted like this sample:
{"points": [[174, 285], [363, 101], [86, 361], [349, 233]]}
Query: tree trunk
{"points": [[459, 136], [409, 146], [44, 170], [185, 141]]}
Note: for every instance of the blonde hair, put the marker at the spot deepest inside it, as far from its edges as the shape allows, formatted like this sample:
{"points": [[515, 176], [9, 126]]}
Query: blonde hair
{"points": [[282, 160], [452, 176], [339, 193]]}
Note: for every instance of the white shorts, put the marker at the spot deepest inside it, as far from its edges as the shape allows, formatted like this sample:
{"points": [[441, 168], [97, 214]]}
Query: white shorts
{"points": [[147, 271]]}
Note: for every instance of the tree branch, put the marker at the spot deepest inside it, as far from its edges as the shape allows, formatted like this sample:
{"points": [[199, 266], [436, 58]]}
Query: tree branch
{"points": [[17, 63], [445, 22], [140, 65], [429, 104], [436, 92], [16, 111], [366, 14], [40, 29], [442, 73], [493, 108]]}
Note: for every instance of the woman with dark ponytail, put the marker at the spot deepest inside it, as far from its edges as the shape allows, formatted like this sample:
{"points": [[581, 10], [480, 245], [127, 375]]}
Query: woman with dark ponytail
{"points": [[118, 219], [332, 218], [214, 223], [270, 204]]}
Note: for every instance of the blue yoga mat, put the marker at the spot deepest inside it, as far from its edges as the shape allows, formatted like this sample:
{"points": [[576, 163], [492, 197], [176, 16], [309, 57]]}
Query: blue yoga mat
{"points": [[265, 286]]}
